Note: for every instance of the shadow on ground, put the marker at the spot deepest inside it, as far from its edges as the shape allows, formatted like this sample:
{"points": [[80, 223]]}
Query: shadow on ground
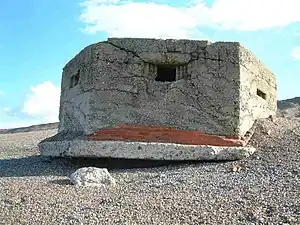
{"points": [[44, 166]]}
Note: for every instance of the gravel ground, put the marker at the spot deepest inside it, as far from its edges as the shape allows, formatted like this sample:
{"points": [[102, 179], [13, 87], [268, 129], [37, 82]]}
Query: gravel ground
{"points": [[264, 189]]}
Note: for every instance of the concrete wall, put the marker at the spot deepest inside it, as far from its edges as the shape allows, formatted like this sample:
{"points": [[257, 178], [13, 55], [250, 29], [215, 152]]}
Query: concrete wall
{"points": [[117, 85], [255, 79], [75, 110]]}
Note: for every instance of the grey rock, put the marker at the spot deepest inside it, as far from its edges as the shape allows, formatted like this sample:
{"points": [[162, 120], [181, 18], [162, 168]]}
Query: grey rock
{"points": [[92, 176]]}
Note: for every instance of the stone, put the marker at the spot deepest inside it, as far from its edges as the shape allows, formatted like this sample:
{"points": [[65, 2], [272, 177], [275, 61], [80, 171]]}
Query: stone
{"points": [[272, 118], [236, 169], [193, 96], [92, 176]]}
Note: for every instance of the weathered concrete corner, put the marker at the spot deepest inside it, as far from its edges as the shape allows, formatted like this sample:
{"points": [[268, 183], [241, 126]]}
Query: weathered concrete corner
{"points": [[215, 88]]}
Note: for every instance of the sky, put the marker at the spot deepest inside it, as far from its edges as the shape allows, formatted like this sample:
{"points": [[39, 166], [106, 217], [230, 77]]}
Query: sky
{"points": [[38, 37]]}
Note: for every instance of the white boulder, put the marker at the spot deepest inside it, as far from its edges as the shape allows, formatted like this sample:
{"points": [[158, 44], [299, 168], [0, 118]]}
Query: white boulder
{"points": [[92, 176]]}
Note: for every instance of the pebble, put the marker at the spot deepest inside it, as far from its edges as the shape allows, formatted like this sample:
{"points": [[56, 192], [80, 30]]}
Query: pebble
{"points": [[198, 193]]}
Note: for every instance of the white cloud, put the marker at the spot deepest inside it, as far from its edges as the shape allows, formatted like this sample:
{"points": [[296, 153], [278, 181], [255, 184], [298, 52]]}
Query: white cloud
{"points": [[149, 19], [251, 15], [7, 109], [296, 53], [138, 20], [43, 102]]}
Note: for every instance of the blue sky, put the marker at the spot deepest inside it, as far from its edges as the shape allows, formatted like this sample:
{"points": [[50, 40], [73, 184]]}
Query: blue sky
{"points": [[37, 38]]}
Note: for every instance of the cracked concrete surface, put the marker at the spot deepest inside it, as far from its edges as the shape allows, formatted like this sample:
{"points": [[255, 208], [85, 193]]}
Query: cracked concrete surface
{"points": [[143, 150], [215, 89]]}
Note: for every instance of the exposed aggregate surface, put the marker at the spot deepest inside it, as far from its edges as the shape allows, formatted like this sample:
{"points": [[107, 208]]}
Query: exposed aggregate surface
{"points": [[262, 189]]}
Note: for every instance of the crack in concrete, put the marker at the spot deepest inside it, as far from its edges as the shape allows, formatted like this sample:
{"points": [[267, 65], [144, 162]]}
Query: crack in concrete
{"points": [[124, 49], [191, 54], [200, 107]]}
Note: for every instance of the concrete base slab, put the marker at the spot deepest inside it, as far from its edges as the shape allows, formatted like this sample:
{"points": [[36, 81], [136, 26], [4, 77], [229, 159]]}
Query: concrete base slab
{"points": [[142, 150]]}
